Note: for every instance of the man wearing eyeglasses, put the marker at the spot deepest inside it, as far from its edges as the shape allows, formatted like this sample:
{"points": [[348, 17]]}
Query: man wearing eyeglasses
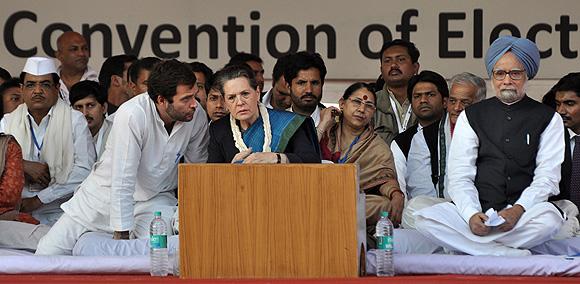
{"points": [[57, 146], [505, 159]]}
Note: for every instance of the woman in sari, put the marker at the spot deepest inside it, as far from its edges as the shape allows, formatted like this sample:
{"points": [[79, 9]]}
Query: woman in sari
{"points": [[353, 140], [253, 134]]}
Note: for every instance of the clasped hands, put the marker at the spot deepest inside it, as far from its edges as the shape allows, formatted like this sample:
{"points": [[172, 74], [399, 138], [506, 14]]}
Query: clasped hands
{"points": [[247, 157], [511, 216], [37, 173]]}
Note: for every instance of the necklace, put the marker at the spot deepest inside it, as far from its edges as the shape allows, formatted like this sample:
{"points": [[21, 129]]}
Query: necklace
{"points": [[239, 141]]}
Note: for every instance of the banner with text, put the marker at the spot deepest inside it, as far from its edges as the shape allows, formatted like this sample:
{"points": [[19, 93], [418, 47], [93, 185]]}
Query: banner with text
{"points": [[452, 36]]}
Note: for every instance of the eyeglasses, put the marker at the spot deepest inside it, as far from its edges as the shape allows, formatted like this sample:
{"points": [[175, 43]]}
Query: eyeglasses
{"points": [[243, 96], [357, 103], [46, 86], [515, 74]]}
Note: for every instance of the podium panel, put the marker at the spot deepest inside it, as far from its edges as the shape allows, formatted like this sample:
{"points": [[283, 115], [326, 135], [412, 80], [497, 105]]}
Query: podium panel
{"points": [[270, 221]]}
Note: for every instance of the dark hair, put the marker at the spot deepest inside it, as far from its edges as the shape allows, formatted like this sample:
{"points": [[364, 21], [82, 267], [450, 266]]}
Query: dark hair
{"points": [[302, 61], [280, 66], [243, 57], [146, 63], [55, 78], [430, 77], [357, 86], [549, 99], [166, 76], [202, 68], [4, 74], [232, 72], [411, 48], [114, 65], [10, 83], [84, 89], [570, 82], [379, 83]]}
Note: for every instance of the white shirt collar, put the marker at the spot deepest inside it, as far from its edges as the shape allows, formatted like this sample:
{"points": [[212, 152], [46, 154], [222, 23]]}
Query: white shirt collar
{"points": [[572, 133], [49, 114], [266, 100], [315, 115]]}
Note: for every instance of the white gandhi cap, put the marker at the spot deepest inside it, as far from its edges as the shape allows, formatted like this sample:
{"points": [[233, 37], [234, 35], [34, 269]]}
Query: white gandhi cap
{"points": [[39, 66]]}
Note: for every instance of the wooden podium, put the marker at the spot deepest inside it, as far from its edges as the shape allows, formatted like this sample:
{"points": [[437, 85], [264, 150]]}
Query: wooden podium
{"points": [[270, 221]]}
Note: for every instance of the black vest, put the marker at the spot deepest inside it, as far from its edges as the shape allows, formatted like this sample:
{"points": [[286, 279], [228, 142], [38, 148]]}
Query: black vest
{"points": [[509, 138], [430, 133], [404, 139]]}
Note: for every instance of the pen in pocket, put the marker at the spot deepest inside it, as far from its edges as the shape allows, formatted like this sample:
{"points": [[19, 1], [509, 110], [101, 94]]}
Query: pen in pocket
{"points": [[528, 139]]}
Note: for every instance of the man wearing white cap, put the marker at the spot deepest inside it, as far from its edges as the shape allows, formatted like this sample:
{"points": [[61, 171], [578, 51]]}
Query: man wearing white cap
{"points": [[504, 160], [56, 143]]}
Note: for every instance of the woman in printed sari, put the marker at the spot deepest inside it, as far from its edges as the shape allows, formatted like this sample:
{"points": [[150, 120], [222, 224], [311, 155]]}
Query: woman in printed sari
{"points": [[11, 173], [253, 134], [11, 181], [353, 140]]}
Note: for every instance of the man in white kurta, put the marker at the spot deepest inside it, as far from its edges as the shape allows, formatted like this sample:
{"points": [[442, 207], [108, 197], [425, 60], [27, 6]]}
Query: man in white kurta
{"points": [[87, 97], [423, 191], [505, 156], [56, 143], [137, 173], [428, 94]]}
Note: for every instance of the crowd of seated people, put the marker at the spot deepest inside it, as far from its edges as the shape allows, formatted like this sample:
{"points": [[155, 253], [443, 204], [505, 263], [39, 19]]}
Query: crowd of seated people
{"points": [[83, 151]]}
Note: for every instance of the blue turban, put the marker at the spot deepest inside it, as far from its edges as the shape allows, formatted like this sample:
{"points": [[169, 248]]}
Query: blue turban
{"points": [[525, 50]]}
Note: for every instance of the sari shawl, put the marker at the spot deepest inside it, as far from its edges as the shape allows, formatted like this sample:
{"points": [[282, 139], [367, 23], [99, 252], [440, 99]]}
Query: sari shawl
{"points": [[371, 153], [283, 124]]}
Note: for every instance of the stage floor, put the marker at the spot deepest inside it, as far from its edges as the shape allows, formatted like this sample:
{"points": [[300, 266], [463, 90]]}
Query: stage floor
{"points": [[36, 279]]}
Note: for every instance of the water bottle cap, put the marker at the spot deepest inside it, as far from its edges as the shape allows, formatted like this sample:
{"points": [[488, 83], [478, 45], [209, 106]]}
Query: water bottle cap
{"points": [[384, 214], [157, 213]]}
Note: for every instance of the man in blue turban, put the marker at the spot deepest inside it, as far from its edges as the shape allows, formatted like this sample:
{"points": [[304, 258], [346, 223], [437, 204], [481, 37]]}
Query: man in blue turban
{"points": [[505, 161]]}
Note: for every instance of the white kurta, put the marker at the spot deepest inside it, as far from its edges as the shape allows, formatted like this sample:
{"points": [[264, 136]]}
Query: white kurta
{"points": [[414, 171], [100, 139], [84, 158], [419, 180], [448, 224], [462, 169], [422, 192], [139, 164], [400, 166]]}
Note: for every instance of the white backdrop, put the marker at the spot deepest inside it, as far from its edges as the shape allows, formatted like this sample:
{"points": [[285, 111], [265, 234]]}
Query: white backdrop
{"points": [[451, 35]]}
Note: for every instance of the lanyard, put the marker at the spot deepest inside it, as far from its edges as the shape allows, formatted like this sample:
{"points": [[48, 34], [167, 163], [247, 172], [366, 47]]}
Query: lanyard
{"points": [[38, 147], [442, 155], [402, 127], [343, 159]]}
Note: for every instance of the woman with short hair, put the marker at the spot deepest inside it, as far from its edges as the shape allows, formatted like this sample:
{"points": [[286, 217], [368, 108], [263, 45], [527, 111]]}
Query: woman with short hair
{"points": [[251, 133]]}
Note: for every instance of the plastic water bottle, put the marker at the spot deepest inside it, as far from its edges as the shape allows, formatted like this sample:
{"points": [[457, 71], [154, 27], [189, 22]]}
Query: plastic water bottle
{"points": [[384, 252], [158, 244]]}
